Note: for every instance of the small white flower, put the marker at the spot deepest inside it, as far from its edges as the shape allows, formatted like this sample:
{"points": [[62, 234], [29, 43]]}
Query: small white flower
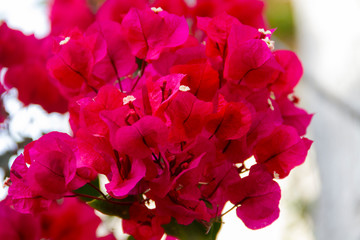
{"points": [[261, 30], [271, 44], [276, 175], [184, 88], [271, 106], [129, 98], [66, 40], [156, 9]]}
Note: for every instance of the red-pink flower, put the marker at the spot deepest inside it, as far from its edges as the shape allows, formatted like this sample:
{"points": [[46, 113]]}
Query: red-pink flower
{"points": [[186, 114], [150, 33], [115, 10], [286, 80], [46, 172], [117, 61], [257, 197], [71, 220], [89, 112], [140, 139], [72, 65], [281, 151], [293, 115], [231, 121], [20, 195], [68, 14], [144, 223], [17, 226], [201, 78], [25, 57], [125, 174]]}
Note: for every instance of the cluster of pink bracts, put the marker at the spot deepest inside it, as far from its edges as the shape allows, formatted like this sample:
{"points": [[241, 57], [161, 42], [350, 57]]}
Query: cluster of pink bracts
{"points": [[168, 108]]}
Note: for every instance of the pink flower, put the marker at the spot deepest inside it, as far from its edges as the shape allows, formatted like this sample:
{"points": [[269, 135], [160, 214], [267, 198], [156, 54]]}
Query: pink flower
{"points": [[67, 14], [286, 80], [231, 121], [72, 65], [70, 220], [294, 116], [142, 138], [25, 57], [51, 172], [20, 194], [201, 78], [118, 61], [281, 151], [186, 114], [150, 33], [17, 226], [144, 223], [257, 197], [125, 174]]}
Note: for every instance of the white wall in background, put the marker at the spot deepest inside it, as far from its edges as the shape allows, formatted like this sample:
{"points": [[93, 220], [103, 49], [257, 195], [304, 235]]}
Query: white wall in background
{"points": [[30, 16], [328, 35]]}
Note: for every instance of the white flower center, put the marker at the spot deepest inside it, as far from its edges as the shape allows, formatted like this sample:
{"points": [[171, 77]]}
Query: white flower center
{"points": [[66, 40]]}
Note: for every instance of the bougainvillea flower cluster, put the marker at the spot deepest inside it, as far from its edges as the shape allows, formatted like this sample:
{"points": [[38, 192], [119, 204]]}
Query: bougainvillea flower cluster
{"points": [[169, 109]]}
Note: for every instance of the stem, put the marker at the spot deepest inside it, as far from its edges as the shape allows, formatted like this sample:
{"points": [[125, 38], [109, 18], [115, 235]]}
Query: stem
{"points": [[89, 196], [68, 196], [97, 189], [229, 210], [142, 70], [101, 199]]}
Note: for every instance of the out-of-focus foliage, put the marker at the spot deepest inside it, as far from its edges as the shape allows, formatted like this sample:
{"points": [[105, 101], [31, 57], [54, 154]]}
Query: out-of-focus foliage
{"points": [[280, 15]]}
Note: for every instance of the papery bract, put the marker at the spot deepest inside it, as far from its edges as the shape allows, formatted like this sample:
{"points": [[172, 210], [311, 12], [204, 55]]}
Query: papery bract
{"points": [[67, 14], [151, 33], [184, 55], [20, 195], [118, 60], [184, 210], [217, 30], [52, 169], [17, 226], [281, 151], [71, 220], [72, 64], [187, 115], [108, 98], [25, 57], [115, 10], [181, 168], [40, 91], [163, 89], [144, 224], [125, 174], [294, 116], [258, 198], [245, 57], [95, 155], [231, 121], [139, 139], [285, 81], [202, 79]]}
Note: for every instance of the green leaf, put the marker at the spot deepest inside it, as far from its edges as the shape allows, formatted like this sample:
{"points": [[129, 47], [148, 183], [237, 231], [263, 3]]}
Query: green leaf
{"points": [[89, 190], [113, 206], [193, 231]]}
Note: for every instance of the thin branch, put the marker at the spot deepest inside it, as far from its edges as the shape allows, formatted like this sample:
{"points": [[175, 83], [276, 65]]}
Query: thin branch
{"points": [[97, 189]]}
